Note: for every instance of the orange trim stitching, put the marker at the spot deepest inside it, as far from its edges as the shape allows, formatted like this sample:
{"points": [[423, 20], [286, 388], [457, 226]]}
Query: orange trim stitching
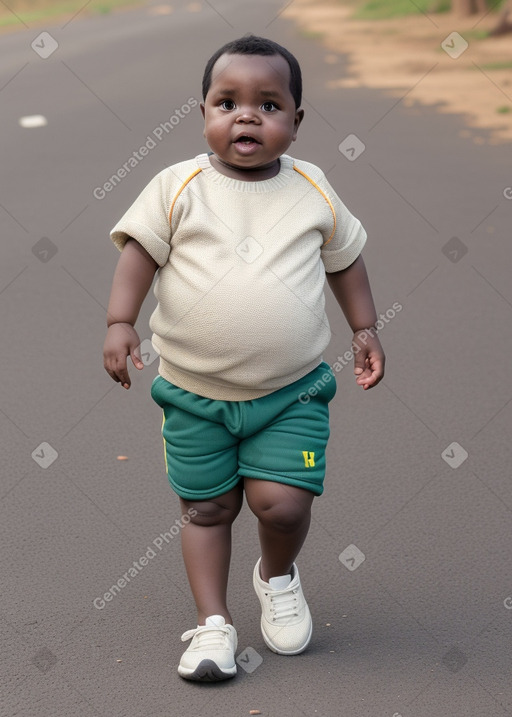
{"points": [[180, 191], [326, 199]]}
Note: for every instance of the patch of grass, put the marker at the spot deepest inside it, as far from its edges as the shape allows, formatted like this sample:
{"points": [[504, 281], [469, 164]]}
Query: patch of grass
{"points": [[311, 34], [504, 109], [31, 12], [497, 65], [384, 9], [476, 34]]}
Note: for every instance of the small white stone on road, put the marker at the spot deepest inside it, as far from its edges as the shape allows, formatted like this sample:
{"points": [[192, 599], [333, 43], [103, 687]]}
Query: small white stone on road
{"points": [[31, 121]]}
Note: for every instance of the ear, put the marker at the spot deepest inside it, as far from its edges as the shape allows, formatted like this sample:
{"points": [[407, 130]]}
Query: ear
{"points": [[203, 113], [299, 116]]}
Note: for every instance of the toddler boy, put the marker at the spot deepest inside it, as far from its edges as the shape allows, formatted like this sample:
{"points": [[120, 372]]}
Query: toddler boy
{"points": [[242, 239]]}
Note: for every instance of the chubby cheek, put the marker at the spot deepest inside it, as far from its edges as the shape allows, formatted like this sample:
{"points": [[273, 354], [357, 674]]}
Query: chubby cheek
{"points": [[217, 131], [282, 138], [282, 131]]}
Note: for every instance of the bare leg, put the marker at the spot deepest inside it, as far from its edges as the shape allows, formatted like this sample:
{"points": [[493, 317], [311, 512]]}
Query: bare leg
{"points": [[284, 515], [206, 548]]}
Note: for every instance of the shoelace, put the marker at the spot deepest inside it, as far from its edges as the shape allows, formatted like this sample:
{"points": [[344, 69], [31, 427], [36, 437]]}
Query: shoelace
{"points": [[207, 636], [283, 604]]}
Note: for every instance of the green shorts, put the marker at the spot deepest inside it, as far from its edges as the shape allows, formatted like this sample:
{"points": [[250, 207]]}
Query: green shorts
{"points": [[210, 445]]}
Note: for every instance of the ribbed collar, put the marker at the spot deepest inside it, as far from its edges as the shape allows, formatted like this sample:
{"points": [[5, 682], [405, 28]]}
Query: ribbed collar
{"points": [[265, 185]]}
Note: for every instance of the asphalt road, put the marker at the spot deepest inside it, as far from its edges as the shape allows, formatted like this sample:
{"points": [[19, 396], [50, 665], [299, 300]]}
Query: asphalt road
{"points": [[407, 566]]}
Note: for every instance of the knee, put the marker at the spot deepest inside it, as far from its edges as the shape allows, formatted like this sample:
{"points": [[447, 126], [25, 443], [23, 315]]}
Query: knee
{"points": [[210, 513], [282, 517]]}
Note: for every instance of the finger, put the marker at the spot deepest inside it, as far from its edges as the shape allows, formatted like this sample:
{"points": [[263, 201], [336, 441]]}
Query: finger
{"points": [[122, 373], [136, 358], [363, 379], [112, 374], [375, 379], [116, 370], [109, 366], [374, 375], [360, 363], [117, 379]]}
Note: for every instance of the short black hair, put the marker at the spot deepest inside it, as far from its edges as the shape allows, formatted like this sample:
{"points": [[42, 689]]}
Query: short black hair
{"points": [[254, 45]]}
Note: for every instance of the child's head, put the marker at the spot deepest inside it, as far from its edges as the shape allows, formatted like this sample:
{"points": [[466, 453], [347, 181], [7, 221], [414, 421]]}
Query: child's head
{"points": [[253, 45], [252, 91]]}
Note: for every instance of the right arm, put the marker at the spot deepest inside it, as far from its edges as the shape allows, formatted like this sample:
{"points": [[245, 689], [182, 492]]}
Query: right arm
{"points": [[132, 280]]}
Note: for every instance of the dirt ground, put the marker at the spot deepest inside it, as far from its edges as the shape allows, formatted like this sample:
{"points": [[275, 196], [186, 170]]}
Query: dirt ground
{"points": [[404, 55]]}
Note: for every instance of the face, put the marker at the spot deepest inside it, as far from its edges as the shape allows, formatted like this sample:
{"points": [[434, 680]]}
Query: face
{"points": [[249, 112]]}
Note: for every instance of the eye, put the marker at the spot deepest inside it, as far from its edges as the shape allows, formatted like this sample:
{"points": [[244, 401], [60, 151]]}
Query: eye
{"points": [[269, 107], [228, 105]]}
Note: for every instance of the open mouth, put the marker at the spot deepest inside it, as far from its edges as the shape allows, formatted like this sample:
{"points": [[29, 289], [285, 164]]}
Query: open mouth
{"points": [[246, 139], [246, 144]]}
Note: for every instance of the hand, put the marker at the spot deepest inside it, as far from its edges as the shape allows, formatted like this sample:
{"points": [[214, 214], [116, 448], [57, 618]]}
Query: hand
{"points": [[121, 341], [369, 358]]}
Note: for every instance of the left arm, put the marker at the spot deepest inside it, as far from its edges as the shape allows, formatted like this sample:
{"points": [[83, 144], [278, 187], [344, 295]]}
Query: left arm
{"points": [[351, 289]]}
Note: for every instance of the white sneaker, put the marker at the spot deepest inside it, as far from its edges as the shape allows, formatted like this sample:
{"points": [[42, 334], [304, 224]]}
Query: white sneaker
{"points": [[211, 654], [286, 623]]}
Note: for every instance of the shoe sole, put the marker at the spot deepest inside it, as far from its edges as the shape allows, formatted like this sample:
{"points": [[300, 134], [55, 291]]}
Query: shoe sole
{"points": [[278, 650], [207, 671]]}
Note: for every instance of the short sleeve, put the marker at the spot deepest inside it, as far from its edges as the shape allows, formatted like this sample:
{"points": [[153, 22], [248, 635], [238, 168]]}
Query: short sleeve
{"points": [[348, 239], [147, 220]]}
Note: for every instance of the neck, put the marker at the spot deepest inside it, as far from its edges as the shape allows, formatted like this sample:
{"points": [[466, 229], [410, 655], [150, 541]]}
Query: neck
{"points": [[247, 173]]}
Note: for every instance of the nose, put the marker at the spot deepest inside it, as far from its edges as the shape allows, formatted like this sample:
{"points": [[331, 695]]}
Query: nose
{"points": [[247, 116]]}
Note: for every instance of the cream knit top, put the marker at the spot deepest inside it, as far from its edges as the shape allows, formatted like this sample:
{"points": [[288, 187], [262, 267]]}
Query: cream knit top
{"points": [[242, 270]]}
